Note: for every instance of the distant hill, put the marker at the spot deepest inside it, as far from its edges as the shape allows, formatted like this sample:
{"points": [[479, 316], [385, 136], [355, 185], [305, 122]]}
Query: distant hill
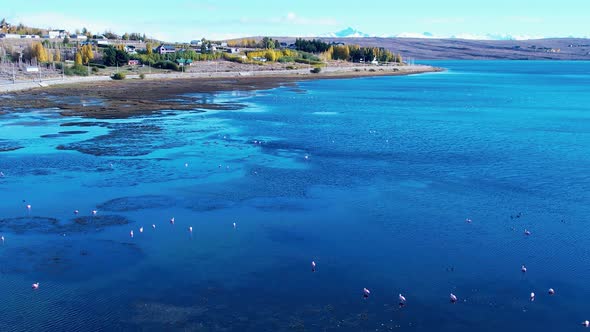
{"points": [[443, 49]]}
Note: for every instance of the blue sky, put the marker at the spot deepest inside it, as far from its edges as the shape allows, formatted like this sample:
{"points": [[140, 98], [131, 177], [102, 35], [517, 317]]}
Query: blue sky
{"points": [[183, 20]]}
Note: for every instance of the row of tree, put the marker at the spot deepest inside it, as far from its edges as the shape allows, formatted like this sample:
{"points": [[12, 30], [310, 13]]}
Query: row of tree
{"points": [[356, 53], [311, 46]]}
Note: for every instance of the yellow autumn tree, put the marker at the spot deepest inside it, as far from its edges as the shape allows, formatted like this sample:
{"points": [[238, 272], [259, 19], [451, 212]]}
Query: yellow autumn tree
{"points": [[78, 59], [56, 56], [148, 48], [86, 53], [39, 52]]}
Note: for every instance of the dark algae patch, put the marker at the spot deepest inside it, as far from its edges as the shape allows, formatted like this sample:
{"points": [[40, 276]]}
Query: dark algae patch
{"points": [[47, 225], [134, 203]]}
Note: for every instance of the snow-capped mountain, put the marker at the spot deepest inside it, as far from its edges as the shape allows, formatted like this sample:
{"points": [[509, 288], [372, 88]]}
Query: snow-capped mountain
{"points": [[346, 33], [353, 33]]}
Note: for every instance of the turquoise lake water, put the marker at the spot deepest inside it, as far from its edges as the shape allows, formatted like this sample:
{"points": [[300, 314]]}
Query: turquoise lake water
{"points": [[372, 178]]}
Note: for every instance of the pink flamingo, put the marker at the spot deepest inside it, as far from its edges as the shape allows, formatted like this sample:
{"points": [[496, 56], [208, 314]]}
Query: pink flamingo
{"points": [[453, 298], [313, 266], [586, 323], [172, 220], [527, 232], [35, 285], [523, 268], [131, 233], [532, 296], [551, 291], [366, 293], [402, 300]]}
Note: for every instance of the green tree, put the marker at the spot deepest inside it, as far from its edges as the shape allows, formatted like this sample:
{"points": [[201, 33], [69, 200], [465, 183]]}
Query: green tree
{"points": [[125, 36], [66, 40]]}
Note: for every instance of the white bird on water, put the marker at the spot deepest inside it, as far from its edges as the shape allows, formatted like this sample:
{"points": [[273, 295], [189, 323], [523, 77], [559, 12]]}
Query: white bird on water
{"points": [[527, 232], [551, 291], [402, 300], [586, 323], [172, 220], [532, 296], [523, 268], [366, 293], [453, 298], [76, 211], [154, 226], [313, 266], [190, 229], [2, 238], [35, 285], [94, 212], [131, 233], [141, 229], [28, 206], [235, 225]]}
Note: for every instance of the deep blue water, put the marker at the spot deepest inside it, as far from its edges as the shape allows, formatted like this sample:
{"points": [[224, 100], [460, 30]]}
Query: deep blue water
{"points": [[394, 167]]}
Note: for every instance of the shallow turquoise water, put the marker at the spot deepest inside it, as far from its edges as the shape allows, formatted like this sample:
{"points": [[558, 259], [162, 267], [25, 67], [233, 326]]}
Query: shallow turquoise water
{"points": [[394, 167]]}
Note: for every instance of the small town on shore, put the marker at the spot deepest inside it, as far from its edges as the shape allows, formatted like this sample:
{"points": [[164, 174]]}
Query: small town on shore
{"points": [[33, 54]]}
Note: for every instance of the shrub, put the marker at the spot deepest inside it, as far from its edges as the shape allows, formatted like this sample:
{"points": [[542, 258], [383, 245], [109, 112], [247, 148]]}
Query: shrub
{"points": [[59, 65], [167, 65], [77, 70], [290, 67], [94, 70], [372, 70], [97, 65], [316, 70], [118, 76], [142, 76]]}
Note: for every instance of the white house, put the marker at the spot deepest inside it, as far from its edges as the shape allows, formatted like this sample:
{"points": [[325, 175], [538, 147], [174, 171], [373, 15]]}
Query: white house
{"points": [[78, 37], [53, 34], [9, 36]]}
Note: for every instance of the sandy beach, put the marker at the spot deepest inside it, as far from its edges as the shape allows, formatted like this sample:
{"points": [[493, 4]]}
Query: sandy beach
{"points": [[134, 96]]}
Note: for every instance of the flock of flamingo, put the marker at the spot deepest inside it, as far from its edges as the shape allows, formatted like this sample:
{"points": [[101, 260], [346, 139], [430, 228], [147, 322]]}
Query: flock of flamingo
{"points": [[366, 292]]}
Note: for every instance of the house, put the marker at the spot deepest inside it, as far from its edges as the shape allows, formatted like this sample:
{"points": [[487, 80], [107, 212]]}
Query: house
{"points": [[29, 36], [53, 34], [259, 58], [197, 43], [133, 63], [283, 45], [78, 37], [130, 49], [184, 62], [165, 49], [9, 36], [103, 43], [223, 44], [233, 50]]}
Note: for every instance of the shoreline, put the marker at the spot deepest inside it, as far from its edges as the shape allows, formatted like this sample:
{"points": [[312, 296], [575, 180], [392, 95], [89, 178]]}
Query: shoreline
{"points": [[102, 97]]}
